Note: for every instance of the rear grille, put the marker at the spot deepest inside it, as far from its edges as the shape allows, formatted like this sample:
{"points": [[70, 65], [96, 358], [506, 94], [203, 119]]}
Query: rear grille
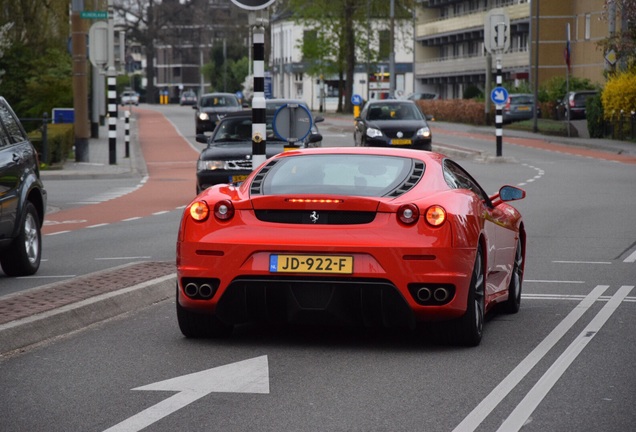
{"points": [[319, 218]]}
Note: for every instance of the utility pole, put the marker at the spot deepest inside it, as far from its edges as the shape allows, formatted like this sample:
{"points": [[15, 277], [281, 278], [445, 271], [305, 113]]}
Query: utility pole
{"points": [[392, 50], [80, 82]]}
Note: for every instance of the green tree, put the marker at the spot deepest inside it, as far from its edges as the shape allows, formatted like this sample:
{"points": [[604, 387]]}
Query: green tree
{"points": [[35, 67], [340, 28], [623, 41]]}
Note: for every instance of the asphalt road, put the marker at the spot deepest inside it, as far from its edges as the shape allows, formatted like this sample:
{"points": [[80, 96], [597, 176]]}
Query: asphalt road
{"points": [[561, 363]]}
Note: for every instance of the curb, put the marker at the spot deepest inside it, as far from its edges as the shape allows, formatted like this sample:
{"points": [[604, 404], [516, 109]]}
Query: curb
{"points": [[20, 334]]}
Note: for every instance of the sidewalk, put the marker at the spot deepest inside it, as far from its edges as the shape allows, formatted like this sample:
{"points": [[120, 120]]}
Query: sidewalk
{"points": [[98, 165]]}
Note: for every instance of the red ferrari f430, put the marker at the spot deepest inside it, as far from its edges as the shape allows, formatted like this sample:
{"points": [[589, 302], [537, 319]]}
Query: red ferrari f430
{"points": [[380, 237]]}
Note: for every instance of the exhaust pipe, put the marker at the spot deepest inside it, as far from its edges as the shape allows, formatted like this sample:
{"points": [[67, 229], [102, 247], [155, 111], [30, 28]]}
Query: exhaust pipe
{"points": [[205, 291], [441, 295], [424, 294], [191, 289]]}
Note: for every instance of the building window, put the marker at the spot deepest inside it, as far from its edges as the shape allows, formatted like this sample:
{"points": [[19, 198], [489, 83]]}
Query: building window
{"points": [[588, 20], [385, 44]]}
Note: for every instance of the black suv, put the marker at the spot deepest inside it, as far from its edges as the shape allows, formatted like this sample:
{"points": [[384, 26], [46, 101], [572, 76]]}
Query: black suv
{"points": [[22, 198]]}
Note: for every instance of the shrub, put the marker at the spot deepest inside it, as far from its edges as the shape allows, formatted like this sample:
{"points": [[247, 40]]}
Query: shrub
{"points": [[619, 94], [60, 141], [594, 114], [454, 110]]}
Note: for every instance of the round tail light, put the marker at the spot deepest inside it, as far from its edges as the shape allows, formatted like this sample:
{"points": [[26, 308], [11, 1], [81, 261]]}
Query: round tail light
{"points": [[408, 214], [199, 211], [224, 210], [435, 215]]}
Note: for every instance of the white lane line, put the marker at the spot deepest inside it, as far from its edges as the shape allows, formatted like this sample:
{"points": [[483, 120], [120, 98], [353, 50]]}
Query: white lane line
{"points": [[131, 219], [553, 281], [582, 262], [122, 258], [160, 212], [524, 410], [56, 233], [490, 402], [631, 258], [570, 297], [47, 277], [97, 225]]}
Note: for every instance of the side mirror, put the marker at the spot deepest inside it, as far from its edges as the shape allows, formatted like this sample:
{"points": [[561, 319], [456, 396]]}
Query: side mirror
{"points": [[202, 138], [314, 138], [511, 193], [195, 107], [319, 119]]}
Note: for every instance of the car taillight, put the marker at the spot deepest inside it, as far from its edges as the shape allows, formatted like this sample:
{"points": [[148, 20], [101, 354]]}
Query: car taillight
{"points": [[224, 210], [408, 214], [435, 215], [572, 104], [199, 211]]}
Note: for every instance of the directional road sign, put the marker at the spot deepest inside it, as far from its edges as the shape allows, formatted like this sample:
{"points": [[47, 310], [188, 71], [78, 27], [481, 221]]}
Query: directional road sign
{"points": [[499, 95], [356, 100]]}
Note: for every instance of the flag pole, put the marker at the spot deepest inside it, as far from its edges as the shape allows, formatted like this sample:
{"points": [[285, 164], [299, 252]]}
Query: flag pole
{"points": [[567, 77]]}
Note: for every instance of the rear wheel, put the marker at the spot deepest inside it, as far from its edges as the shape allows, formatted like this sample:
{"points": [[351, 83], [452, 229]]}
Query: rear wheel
{"points": [[468, 329], [22, 258], [200, 325], [514, 288]]}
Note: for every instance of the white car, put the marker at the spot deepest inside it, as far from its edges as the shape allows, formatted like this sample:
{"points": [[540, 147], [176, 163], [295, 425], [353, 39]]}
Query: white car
{"points": [[129, 97]]}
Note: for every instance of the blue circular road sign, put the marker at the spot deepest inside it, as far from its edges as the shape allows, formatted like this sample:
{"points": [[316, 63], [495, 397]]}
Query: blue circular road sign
{"points": [[499, 95], [356, 99]]}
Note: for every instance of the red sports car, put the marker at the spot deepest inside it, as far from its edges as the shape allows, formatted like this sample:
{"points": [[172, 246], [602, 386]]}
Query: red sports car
{"points": [[371, 236]]}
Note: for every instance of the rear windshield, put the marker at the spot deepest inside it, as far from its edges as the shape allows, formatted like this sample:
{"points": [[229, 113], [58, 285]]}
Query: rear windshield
{"points": [[219, 101], [348, 174], [521, 100]]}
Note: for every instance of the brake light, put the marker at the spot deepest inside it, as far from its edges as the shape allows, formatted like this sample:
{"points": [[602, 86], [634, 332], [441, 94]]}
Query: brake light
{"points": [[199, 211], [435, 216], [314, 200], [224, 210], [408, 214]]}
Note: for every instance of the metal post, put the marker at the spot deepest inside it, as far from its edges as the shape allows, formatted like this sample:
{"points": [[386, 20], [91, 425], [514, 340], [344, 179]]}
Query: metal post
{"points": [[392, 50], [112, 91], [499, 111], [127, 129], [259, 128], [45, 138]]}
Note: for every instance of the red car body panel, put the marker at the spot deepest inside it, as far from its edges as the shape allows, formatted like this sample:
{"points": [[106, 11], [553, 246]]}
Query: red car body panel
{"points": [[384, 249]]}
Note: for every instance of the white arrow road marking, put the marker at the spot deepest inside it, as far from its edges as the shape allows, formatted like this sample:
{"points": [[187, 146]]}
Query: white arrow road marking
{"points": [[247, 376]]}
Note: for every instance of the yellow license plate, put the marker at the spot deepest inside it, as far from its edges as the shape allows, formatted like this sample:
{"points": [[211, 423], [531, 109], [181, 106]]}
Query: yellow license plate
{"points": [[237, 178], [400, 141], [523, 108], [311, 264]]}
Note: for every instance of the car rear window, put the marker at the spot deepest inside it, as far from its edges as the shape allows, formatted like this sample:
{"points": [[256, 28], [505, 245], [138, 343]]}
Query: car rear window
{"points": [[219, 101], [348, 174], [521, 100]]}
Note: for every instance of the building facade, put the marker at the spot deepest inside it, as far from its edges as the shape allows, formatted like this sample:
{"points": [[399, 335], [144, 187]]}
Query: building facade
{"points": [[450, 55], [292, 76]]}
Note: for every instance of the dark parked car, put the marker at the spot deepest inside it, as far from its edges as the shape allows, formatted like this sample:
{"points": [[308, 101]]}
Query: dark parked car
{"points": [[22, 198], [188, 97], [576, 101], [518, 107], [392, 123], [228, 155], [212, 107]]}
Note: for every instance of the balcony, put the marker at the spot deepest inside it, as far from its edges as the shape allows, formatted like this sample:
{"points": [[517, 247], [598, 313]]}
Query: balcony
{"points": [[466, 23], [469, 65]]}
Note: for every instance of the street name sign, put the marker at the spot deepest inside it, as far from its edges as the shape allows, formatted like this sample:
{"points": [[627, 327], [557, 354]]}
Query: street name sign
{"points": [[94, 14]]}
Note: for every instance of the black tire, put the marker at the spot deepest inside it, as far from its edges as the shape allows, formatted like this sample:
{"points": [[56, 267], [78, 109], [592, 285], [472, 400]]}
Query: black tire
{"points": [[468, 330], [22, 258], [513, 303], [201, 325]]}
